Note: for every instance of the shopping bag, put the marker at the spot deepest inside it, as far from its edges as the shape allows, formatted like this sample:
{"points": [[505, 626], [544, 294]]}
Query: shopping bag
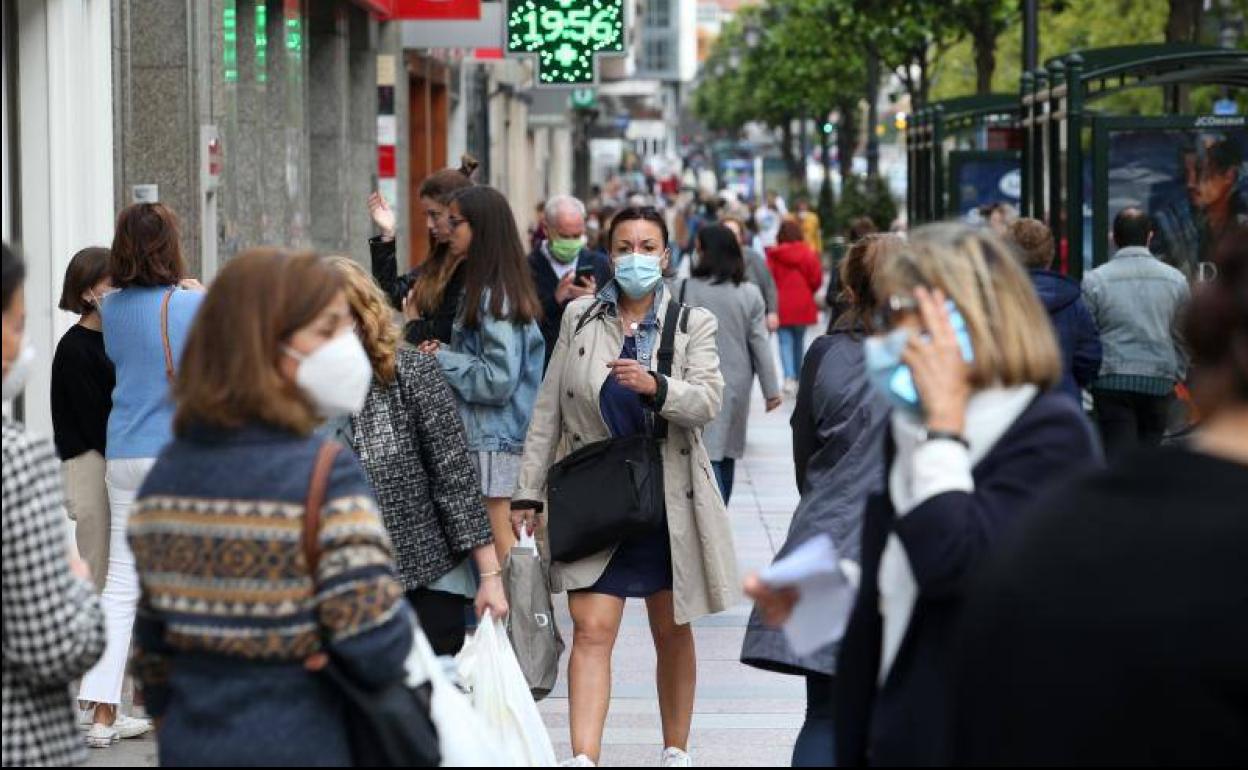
{"points": [[501, 697], [531, 620], [464, 740]]}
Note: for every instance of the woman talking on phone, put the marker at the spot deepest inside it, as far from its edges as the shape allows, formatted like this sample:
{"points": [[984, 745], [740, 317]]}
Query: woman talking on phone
{"points": [[631, 368], [963, 352]]}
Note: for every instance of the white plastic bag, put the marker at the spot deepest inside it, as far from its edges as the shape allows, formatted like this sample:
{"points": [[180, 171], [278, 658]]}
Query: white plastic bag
{"points": [[464, 740], [501, 697]]}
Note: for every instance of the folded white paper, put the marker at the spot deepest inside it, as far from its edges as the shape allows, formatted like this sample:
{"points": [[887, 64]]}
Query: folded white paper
{"points": [[826, 593]]}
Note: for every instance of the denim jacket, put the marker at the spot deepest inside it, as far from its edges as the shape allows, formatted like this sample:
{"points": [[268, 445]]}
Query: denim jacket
{"points": [[1135, 299], [647, 334], [494, 371]]}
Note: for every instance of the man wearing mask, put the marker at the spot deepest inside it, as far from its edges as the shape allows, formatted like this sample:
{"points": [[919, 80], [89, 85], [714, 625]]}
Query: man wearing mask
{"points": [[563, 267]]}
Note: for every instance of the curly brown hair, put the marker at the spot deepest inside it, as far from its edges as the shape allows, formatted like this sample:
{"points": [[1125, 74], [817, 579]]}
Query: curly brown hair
{"points": [[378, 332]]}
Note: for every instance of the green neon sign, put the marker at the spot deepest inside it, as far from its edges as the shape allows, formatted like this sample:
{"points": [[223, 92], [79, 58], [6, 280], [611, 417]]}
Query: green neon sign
{"points": [[566, 35], [262, 42], [229, 25]]}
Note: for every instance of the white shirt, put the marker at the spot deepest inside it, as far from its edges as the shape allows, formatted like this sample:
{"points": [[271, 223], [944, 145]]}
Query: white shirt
{"points": [[923, 469]]}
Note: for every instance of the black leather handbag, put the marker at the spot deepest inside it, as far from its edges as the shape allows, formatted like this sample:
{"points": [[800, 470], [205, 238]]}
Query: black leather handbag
{"points": [[604, 492]]}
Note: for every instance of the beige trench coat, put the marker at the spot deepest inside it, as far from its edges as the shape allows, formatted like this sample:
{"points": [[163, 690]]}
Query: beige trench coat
{"points": [[567, 417]]}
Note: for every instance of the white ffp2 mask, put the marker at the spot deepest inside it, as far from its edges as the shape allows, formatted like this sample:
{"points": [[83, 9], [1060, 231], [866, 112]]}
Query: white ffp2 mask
{"points": [[19, 371], [336, 376]]}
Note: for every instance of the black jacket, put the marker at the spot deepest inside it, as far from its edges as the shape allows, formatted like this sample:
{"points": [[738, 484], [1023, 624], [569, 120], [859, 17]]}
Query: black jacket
{"points": [[908, 720], [545, 280], [1114, 629], [386, 272]]}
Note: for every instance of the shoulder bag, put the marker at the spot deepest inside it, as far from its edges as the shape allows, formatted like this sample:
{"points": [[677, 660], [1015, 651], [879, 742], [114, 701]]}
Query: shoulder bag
{"points": [[387, 727], [604, 492]]}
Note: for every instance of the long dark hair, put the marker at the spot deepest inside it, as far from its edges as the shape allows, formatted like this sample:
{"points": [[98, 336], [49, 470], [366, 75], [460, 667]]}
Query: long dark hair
{"points": [[721, 258], [496, 260], [440, 266]]}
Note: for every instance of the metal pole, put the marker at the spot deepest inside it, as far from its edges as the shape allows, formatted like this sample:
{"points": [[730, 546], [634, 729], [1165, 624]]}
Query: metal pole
{"points": [[873, 116], [1031, 36]]}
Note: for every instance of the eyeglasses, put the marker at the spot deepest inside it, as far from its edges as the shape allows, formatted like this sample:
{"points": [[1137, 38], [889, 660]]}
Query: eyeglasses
{"points": [[894, 308]]}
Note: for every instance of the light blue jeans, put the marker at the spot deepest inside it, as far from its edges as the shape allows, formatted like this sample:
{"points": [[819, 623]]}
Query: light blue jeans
{"points": [[792, 345]]}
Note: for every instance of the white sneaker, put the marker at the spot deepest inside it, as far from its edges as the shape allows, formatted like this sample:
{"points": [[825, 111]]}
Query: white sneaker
{"points": [[101, 736], [131, 727], [86, 717], [675, 758], [580, 760]]}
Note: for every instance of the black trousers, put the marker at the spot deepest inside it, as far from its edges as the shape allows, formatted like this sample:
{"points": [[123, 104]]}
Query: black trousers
{"points": [[1130, 420], [441, 617]]}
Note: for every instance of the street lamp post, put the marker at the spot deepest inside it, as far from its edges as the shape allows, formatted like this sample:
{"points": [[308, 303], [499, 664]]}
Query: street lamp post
{"points": [[1031, 44]]}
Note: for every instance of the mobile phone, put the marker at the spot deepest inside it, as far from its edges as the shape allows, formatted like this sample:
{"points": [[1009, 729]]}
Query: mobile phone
{"points": [[584, 272]]}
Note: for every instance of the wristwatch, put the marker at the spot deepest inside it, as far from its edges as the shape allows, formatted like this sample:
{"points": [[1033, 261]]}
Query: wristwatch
{"points": [[948, 435]]}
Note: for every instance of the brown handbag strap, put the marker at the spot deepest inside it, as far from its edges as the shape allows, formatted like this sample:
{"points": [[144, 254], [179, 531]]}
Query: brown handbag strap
{"points": [[164, 334], [312, 507]]}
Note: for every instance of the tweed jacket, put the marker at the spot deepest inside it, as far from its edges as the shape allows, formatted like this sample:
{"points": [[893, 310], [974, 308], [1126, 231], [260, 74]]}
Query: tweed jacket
{"points": [[567, 417], [53, 625], [410, 440]]}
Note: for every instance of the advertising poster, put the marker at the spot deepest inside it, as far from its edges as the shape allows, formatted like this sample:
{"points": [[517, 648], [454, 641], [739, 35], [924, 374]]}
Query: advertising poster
{"points": [[992, 178], [1193, 181]]}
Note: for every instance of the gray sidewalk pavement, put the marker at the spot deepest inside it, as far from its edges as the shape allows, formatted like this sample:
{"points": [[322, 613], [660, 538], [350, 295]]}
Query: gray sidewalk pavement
{"points": [[742, 717]]}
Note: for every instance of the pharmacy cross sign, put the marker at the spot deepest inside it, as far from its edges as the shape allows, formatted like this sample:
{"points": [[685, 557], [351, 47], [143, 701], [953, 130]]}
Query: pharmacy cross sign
{"points": [[566, 35]]}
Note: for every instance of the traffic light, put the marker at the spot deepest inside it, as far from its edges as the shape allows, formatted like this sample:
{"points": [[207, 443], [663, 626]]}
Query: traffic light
{"points": [[828, 127], [899, 121]]}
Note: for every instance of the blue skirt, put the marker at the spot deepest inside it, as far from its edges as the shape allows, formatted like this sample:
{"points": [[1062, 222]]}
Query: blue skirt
{"points": [[640, 567]]}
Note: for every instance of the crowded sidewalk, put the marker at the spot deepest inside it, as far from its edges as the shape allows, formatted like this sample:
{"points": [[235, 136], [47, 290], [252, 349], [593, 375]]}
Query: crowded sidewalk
{"points": [[743, 717]]}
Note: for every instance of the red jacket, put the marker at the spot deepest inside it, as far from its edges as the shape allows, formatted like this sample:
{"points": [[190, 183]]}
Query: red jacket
{"points": [[798, 273]]}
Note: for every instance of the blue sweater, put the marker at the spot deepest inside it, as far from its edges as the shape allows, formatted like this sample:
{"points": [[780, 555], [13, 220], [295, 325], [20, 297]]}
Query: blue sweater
{"points": [[229, 611], [141, 422]]}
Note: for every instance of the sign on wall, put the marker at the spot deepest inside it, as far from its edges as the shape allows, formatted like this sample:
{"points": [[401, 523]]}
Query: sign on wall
{"points": [[565, 35], [468, 10]]}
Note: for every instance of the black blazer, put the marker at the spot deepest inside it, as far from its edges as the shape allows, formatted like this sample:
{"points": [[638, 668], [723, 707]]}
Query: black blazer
{"points": [[908, 720], [546, 281]]}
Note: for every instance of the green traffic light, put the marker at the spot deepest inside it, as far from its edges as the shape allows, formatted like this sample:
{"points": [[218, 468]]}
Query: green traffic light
{"points": [[827, 128]]}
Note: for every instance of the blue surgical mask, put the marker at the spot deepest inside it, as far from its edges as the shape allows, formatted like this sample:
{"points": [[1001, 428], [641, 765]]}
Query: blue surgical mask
{"points": [[891, 377], [638, 274]]}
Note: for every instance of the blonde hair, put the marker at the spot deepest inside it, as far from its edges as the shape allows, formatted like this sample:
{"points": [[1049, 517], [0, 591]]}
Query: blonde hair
{"points": [[379, 333], [1009, 328]]}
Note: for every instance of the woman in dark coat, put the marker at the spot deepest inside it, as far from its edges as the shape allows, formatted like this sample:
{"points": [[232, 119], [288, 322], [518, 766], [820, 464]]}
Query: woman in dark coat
{"points": [[977, 431], [838, 452]]}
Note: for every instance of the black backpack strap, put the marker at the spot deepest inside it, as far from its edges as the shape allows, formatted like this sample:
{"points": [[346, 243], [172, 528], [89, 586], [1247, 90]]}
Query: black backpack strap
{"points": [[684, 285]]}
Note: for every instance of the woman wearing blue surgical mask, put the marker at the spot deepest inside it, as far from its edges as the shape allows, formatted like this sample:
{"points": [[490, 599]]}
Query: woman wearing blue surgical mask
{"points": [[965, 353], [602, 384]]}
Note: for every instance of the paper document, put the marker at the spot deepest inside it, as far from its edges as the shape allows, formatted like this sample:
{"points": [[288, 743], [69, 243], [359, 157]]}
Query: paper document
{"points": [[826, 594]]}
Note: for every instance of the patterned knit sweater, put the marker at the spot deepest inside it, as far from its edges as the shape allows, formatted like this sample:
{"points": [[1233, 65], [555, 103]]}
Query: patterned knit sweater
{"points": [[229, 611]]}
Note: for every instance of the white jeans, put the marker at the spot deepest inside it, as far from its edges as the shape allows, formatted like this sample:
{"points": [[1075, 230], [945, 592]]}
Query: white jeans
{"points": [[120, 598]]}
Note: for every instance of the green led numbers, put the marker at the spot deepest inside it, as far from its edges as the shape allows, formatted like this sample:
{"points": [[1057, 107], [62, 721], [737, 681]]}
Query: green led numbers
{"points": [[566, 35]]}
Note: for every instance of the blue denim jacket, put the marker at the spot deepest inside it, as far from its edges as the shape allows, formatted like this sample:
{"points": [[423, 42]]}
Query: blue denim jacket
{"points": [[1135, 299], [494, 371], [647, 334]]}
